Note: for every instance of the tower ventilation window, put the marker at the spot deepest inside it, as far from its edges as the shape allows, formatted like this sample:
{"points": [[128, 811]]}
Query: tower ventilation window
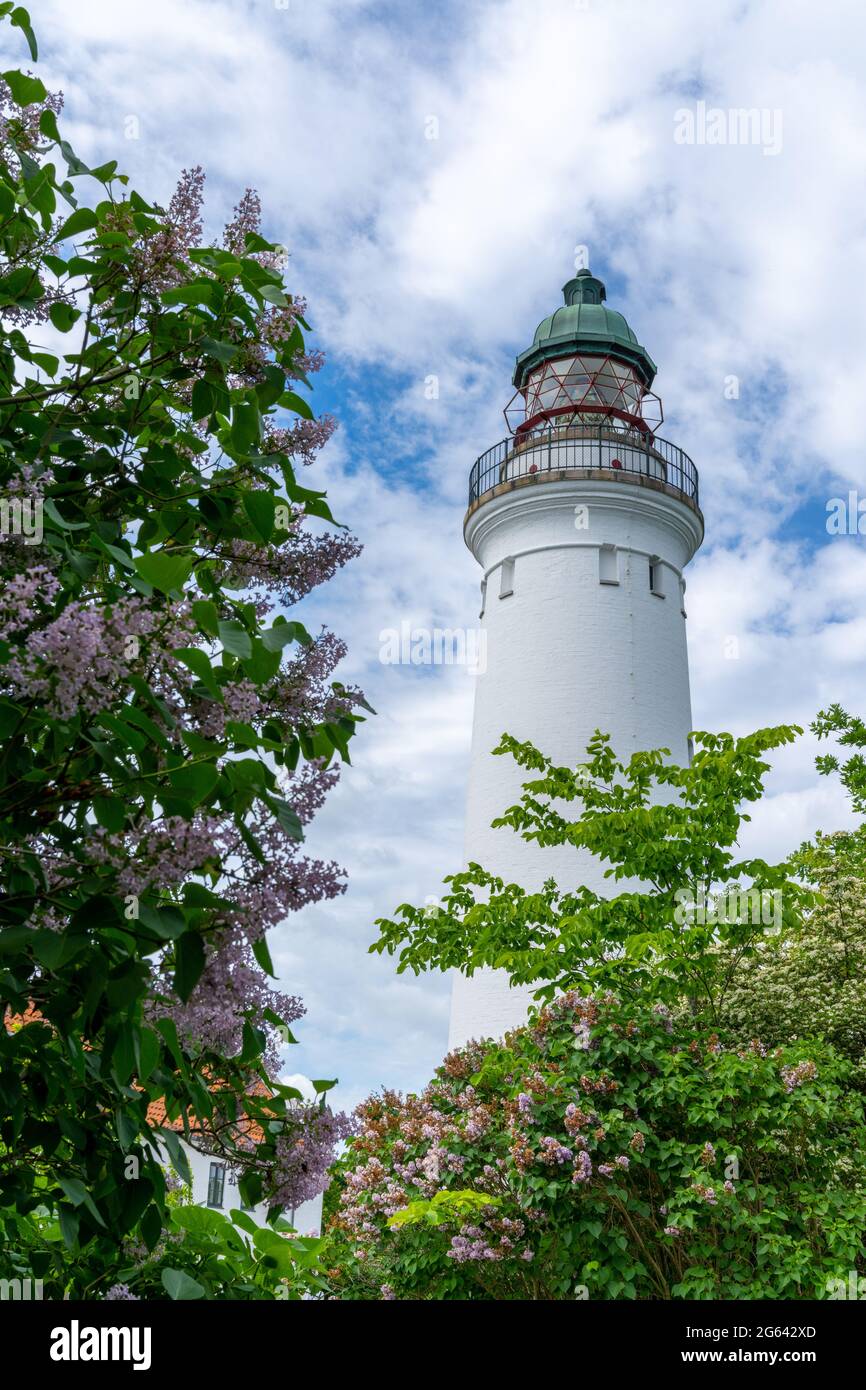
{"points": [[483, 597], [656, 577], [506, 578], [608, 565]]}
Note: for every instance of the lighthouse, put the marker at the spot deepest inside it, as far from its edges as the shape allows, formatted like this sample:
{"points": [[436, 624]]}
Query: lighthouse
{"points": [[582, 522]]}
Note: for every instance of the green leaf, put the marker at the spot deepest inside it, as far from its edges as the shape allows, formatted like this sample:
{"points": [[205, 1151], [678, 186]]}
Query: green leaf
{"points": [[320, 1087], [244, 1220], [287, 816], [246, 426], [189, 962], [50, 510], [166, 922], [21, 20], [198, 662], [235, 638], [203, 399], [196, 292], [223, 352], [148, 1048], [82, 220], [290, 400], [69, 1223], [110, 812], [78, 1195], [261, 509], [166, 570], [262, 664], [181, 1286], [247, 774], [25, 90], [194, 782], [207, 616], [279, 636], [48, 125], [151, 1226], [63, 316], [263, 956]]}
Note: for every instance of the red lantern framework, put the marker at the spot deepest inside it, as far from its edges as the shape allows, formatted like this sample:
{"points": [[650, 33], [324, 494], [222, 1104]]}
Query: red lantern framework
{"points": [[585, 367]]}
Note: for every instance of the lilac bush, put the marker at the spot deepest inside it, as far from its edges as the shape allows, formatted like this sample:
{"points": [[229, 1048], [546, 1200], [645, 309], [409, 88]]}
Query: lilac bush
{"points": [[606, 1151], [169, 726]]}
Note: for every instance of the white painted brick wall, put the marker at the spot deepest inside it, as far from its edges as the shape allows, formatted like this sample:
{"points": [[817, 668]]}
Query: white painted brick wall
{"points": [[567, 655]]}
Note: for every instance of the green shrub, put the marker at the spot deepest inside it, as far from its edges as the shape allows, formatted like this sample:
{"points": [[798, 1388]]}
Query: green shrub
{"points": [[607, 1151]]}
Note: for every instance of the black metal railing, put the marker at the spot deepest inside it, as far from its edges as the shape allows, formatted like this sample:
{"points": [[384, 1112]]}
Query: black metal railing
{"points": [[580, 450]]}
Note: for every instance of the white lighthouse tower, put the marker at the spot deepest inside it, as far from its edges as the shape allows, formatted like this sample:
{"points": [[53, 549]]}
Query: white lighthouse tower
{"points": [[582, 521]]}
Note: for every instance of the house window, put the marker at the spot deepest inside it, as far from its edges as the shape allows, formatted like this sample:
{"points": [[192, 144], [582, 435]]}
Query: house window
{"points": [[215, 1184]]}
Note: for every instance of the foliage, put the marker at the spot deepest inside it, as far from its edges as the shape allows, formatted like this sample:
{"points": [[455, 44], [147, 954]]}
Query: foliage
{"points": [[851, 733], [810, 980], [168, 731], [201, 1254], [621, 1154], [670, 831]]}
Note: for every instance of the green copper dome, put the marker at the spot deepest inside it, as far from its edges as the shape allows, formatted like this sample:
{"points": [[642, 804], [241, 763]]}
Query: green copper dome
{"points": [[585, 325]]}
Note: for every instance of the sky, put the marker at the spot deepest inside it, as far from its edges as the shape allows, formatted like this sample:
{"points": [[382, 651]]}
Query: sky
{"points": [[436, 172]]}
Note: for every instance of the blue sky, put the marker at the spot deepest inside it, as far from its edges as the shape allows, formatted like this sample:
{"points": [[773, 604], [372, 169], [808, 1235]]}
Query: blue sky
{"points": [[422, 257]]}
